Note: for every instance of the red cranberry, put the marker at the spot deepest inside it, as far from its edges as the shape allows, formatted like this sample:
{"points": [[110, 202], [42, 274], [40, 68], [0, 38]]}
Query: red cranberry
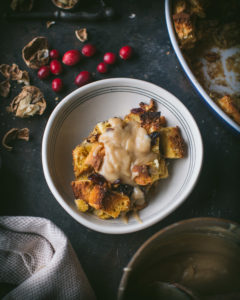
{"points": [[54, 54], [88, 50], [44, 72], [71, 57], [57, 85], [109, 58], [102, 68], [125, 52], [56, 67], [83, 78]]}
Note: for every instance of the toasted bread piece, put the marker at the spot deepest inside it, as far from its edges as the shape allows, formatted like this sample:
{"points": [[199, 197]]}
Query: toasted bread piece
{"points": [[155, 139], [115, 203], [95, 156], [82, 189], [171, 142], [81, 205], [149, 120], [185, 28], [151, 172], [97, 195], [100, 197], [143, 176], [135, 113], [100, 128], [134, 116], [158, 169], [91, 193], [148, 107], [180, 6], [80, 154], [229, 108]]}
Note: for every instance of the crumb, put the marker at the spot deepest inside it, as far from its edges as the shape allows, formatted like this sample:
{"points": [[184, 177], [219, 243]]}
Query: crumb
{"points": [[132, 16]]}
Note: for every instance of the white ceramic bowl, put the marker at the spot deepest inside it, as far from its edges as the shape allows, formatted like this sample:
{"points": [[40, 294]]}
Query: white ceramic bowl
{"points": [[77, 114], [196, 84]]}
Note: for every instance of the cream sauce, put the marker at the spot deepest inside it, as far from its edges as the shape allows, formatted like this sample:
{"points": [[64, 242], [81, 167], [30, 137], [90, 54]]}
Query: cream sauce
{"points": [[126, 145], [138, 196]]}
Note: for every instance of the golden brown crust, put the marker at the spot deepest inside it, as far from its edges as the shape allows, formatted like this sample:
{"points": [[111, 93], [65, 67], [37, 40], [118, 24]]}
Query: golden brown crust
{"points": [[180, 6], [148, 107], [144, 176], [101, 198], [150, 121], [172, 144], [95, 157], [115, 203], [185, 28], [147, 117], [97, 196], [229, 108], [82, 205], [80, 154], [82, 189]]}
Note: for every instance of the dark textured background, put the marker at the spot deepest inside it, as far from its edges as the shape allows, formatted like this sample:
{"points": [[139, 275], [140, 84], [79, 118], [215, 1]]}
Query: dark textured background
{"points": [[23, 187]]}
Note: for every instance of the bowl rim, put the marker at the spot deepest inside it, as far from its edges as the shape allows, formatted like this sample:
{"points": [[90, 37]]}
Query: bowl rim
{"points": [[77, 216], [189, 73], [127, 269]]}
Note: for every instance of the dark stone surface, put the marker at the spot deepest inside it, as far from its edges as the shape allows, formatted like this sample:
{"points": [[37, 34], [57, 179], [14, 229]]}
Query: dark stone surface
{"points": [[23, 188]]}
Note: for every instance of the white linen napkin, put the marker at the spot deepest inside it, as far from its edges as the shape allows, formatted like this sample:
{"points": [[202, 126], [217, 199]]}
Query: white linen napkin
{"points": [[36, 257]]}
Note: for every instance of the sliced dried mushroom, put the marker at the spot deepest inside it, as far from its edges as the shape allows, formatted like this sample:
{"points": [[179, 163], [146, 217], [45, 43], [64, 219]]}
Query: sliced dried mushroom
{"points": [[50, 23], [28, 103], [81, 34], [14, 73], [13, 134], [65, 4], [22, 5], [36, 53], [4, 88], [5, 70]]}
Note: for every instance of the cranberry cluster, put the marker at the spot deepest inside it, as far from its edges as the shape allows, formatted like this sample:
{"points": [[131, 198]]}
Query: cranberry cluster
{"points": [[72, 57]]}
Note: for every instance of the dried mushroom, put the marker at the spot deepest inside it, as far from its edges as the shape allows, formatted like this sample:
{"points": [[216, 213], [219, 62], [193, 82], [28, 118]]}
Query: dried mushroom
{"points": [[50, 23], [22, 5], [28, 103], [81, 34], [65, 4], [13, 134], [36, 53], [14, 73], [4, 88]]}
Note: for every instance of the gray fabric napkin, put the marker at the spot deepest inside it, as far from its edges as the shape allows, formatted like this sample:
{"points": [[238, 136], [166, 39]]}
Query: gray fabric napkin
{"points": [[36, 257]]}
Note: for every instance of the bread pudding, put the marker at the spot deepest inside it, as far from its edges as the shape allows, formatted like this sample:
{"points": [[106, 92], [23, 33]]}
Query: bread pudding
{"points": [[208, 33], [120, 161]]}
